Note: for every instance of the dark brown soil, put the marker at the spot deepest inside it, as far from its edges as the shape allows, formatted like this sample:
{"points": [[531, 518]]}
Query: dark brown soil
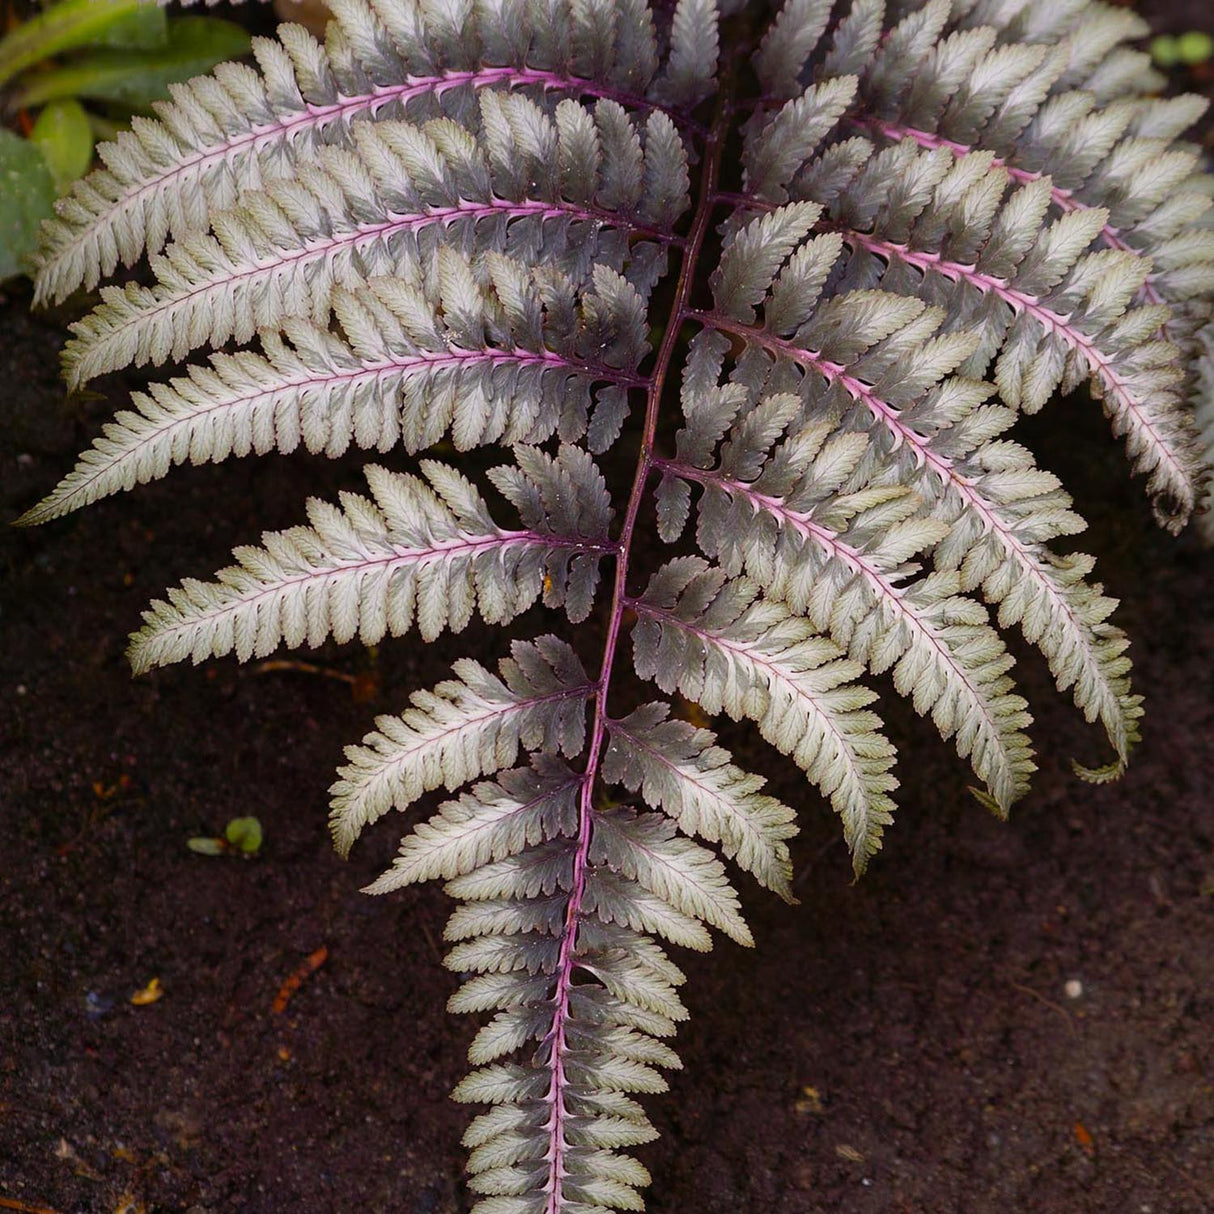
{"points": [[906, 1045]]}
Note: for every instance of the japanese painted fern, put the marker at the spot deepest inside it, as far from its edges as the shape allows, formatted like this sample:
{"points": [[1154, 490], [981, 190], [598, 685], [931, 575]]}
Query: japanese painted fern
{"points": [[462, 220]]}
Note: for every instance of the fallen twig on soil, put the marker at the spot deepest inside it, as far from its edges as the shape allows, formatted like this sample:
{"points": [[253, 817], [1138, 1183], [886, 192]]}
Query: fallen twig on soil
{"points": [[11, 1203], [295, 979]]}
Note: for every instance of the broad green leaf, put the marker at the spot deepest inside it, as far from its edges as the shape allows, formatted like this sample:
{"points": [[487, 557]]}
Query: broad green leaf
{"points": [[137, 78], [27, 196], [77, 23], [144, 28], [64, 137]]}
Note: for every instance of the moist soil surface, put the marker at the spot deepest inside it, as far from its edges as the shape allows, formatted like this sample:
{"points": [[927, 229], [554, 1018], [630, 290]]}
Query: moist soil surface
{"points": [[998, 1017]]}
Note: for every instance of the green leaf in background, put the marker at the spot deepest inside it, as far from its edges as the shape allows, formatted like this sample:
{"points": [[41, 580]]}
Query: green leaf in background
{"points": [[145, 28], [137, 78], [1195, 47], [244, 834], [65, 138], [76, 23], [27, 196], [1190, 50]]}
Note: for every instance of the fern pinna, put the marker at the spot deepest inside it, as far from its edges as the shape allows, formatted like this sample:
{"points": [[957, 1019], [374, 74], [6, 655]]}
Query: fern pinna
{"points": [[461, 221]]}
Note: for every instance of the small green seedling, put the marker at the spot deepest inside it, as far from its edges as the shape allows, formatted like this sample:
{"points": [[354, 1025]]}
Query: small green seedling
{"points": [[241, 837], [1183, 50]]}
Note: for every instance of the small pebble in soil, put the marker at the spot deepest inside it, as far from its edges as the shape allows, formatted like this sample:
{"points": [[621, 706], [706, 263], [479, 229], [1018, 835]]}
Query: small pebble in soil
{"points": [[427, 1203], [96, 1005], [1073, 988]]}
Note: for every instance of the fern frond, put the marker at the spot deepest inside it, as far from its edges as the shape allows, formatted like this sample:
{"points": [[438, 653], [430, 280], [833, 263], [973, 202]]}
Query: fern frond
{"points": [[789, 41], [691, 68], [1050, 597], [423, 551], [1053, 312], [871, 357], [240, 129], [1038, 107], [514, 360], [712, 640], [496, 819], [571, 188], [647, 850], [680, 770], [469, 726], [1003, 508], [615, 898], [592, 1042]]}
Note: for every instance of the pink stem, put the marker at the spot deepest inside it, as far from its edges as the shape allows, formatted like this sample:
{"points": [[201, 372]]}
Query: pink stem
{"points": [[774, 672], [886, 591], [941, 465], [964, 486], [836, 373], [567, 959]]}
